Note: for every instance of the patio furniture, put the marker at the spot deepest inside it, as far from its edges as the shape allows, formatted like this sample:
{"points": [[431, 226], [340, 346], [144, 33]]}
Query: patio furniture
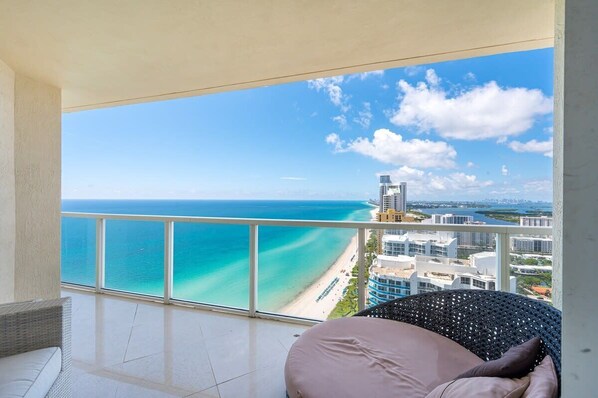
{"points": [[407, 347], [35, 348]]}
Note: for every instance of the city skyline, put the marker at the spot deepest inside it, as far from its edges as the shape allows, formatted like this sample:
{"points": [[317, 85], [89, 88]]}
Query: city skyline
{"points": [[472, 129]]}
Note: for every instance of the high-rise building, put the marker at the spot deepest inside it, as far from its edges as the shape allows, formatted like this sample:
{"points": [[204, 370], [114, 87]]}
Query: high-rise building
{"points": [[542, 221], [392, 196], [403, 202], [451, 219], [465, 238], [525, 244], [384, 184], [483, 239]]}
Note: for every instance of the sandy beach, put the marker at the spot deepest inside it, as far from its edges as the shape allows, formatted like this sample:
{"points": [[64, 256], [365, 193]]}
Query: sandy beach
{"points": [[307, 305]]}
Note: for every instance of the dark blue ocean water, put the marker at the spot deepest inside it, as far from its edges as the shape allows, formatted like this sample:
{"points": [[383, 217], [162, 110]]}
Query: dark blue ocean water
{"points": [[211, 262]]}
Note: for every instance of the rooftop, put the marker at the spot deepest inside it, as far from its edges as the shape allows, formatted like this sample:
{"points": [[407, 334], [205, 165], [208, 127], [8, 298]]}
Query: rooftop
{"points": [[401, 273]]}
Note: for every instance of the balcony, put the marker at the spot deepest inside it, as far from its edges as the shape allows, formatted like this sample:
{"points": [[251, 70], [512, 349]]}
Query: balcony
{"points": [[159, 283], [126, 342], [83, 55], [130, 348]]}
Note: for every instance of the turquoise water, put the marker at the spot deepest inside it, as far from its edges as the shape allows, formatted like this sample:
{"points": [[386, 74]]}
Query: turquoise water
{"points": [[211, 262]]}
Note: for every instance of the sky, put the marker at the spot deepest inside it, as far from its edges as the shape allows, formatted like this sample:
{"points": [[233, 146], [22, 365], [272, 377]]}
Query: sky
{"points": [[471, 129]]}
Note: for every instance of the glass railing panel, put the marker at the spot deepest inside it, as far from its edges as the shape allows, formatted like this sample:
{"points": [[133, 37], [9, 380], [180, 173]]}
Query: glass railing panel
{"points": [[78, 251], [211, 264], [306, 272], [135, 256], [531, 265]]}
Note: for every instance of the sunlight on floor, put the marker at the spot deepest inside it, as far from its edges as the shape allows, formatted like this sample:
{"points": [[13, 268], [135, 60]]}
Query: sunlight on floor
{"points": [[128, 348]]}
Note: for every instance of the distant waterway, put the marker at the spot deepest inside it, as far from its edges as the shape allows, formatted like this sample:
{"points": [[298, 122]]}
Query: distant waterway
{"points": [[211, 262], [523, 209]]}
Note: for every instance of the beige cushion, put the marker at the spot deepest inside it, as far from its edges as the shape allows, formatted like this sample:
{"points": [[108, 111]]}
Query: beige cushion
{"points": [[482, 387], [543, 381], [370, 357]]}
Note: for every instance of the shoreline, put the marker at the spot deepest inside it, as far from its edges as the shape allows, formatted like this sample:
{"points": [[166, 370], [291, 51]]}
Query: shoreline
{"points": [[306, 303]]}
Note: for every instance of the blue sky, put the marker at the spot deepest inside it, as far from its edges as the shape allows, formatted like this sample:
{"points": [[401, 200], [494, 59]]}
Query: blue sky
{"points": [[461, 130]]}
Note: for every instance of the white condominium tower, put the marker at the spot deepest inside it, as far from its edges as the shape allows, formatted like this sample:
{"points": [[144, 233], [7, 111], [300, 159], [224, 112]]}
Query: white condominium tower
{"points": [[542, 221], [392, 196], [451, 219]]}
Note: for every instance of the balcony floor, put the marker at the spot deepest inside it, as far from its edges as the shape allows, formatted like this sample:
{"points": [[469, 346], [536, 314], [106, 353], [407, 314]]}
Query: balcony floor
{"points": [[129, 348]]}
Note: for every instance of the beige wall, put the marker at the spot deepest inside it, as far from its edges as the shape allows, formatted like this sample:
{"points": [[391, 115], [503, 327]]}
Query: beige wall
{"points": [[30, 159], [7, 184]]}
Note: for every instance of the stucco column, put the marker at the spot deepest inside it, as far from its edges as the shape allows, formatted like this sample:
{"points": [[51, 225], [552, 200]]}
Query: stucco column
{"points": [[30, 172], [576, 192], [7, 184]]}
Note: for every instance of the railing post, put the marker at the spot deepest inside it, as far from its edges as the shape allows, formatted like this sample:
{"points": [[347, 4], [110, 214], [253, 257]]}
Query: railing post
{"points": [[503, 262], [168, 259], [100, 254], [253, 266], [361, 269]]}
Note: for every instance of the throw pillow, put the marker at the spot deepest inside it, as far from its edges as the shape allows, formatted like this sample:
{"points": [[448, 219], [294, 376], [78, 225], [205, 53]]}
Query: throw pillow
{"points": [[543, 381], [481, 387], [516, 362]]}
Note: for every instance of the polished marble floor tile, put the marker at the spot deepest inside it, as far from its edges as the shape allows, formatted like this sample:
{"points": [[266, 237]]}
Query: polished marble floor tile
{"points": [[129, 348]]}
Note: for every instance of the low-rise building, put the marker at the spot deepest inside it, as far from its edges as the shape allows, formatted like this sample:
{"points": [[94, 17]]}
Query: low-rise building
{"points": [[390, 215], [428, 244], [393, 277]]}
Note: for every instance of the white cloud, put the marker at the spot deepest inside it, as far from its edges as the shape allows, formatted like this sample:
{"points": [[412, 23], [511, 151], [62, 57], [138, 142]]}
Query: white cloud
{"points": [[423, 183], [341, 120], [391, 148], [413, 70], [432, 78], [375, 73], [535, 186], [504, 170], [331, 85], [293, 178], [470, 77], [335, 140], [365, 116], [332, 138], [486, 111], [533, 146], [470, 164], [548, 130]]}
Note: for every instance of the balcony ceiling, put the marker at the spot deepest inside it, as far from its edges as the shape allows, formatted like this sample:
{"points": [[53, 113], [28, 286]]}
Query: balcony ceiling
{"points": [[112, 52]]}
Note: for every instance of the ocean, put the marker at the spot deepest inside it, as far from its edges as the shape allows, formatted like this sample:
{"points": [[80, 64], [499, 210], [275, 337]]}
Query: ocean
{"points": [[211, 262]]}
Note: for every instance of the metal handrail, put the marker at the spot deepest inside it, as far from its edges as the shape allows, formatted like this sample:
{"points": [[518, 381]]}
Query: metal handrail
{"points": [[502, 232], [498, 229]]}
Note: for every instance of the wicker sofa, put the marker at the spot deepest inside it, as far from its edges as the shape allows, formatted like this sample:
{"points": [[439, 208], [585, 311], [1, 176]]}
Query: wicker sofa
{"points": [[31, 327], [480, 322]]}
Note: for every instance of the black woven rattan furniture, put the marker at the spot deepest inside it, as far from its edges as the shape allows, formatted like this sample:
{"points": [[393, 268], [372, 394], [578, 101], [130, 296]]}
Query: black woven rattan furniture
{"points": [[33, 325], [487, 323]]}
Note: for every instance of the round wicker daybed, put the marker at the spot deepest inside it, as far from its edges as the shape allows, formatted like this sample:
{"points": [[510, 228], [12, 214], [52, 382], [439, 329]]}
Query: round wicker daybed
{"points": [[407, 347]]}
